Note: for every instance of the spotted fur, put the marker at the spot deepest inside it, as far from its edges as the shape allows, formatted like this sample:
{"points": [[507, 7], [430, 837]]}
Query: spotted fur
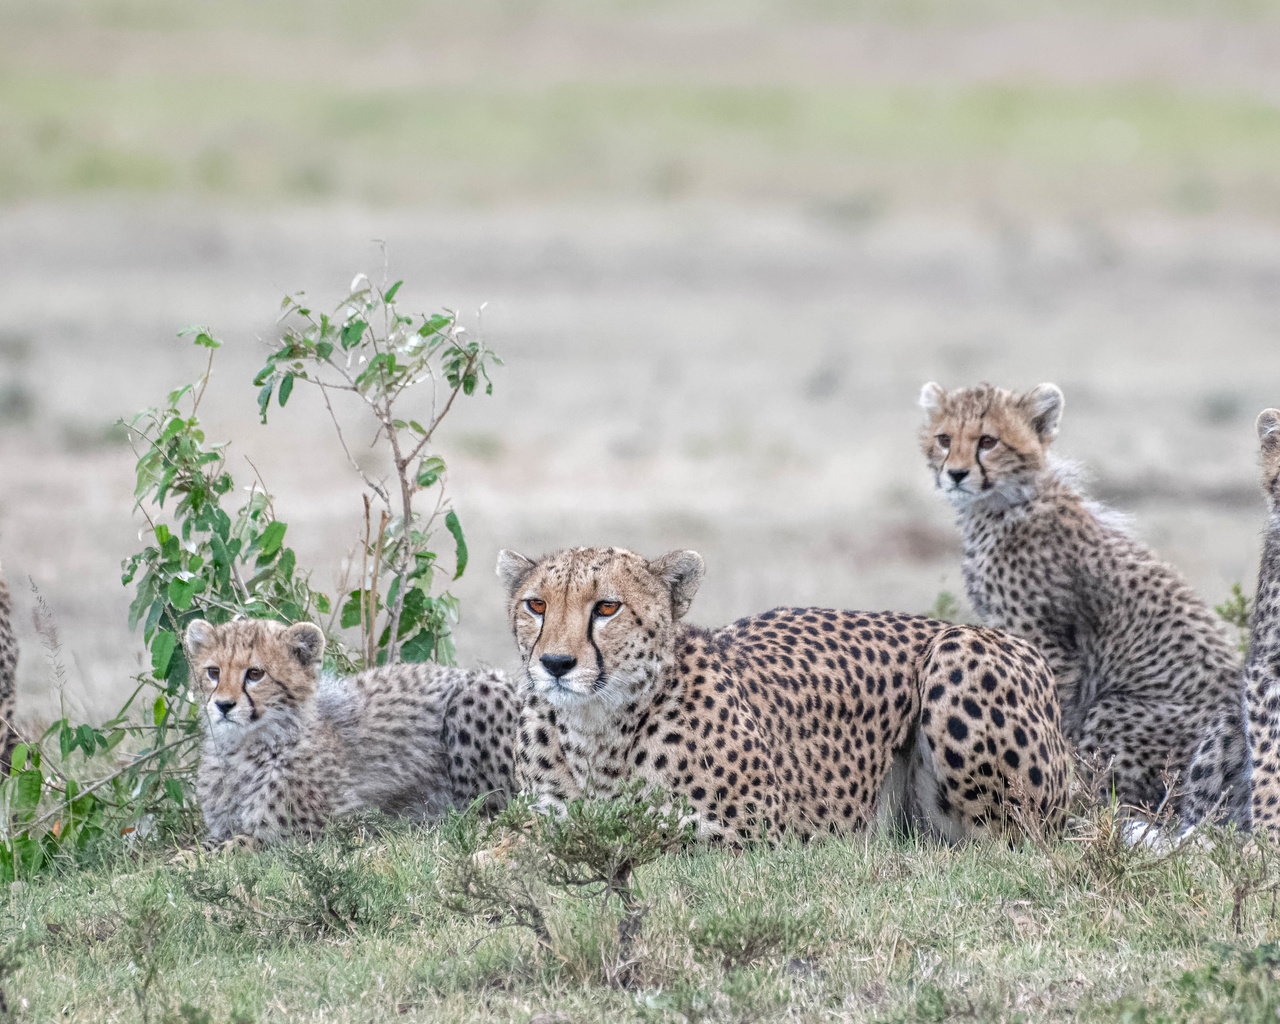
{"points": [[1147, 679], [286, 750], [8, 679], [800, 719], [1262, 667]]}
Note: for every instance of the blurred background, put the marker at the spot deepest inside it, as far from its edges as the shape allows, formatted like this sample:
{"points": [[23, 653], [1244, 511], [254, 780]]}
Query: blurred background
{"points": [[722, 243]]}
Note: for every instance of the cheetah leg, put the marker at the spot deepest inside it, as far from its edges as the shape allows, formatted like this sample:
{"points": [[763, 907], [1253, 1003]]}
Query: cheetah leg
{"points": [[1264, 741], [1218, 787], [990, 756]]}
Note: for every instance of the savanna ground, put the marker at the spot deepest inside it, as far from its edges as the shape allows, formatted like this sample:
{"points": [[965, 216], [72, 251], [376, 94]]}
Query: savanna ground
{"points": [[721, 245]]}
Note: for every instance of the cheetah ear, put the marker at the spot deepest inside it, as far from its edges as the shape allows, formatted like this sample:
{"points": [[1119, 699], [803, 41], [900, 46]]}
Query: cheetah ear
{"points": [[513, 567], [198, 636], [305, 641], [931, 398], [1269, 428], [682, 571], [1044, 405]]}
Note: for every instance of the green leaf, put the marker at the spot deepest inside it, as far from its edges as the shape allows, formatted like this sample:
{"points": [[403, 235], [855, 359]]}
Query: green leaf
{"points": [[272, 538], [454, 527], [159, 710], [66, 741], [174, 790], [429, 471], [322, 603], [18, 759], [264, 398], [286, 389], [419, 647], [182, 591], [391, 292], [351, 609], [30, 786], [162, 652], [352, 333]]}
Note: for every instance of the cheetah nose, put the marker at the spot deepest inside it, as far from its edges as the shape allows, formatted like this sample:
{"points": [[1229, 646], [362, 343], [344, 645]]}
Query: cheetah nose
{"points": [[558, 664], [957, 474], [224, 706]]}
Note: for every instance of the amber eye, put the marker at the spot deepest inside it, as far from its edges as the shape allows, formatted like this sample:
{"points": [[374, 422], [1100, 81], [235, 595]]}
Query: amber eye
{"points": [[986, 442], [536, 605], [212, 672], [944, 441], [607, 608], [254, 674]]}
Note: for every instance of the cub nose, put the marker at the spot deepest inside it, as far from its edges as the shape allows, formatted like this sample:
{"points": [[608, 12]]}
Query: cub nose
{"points": [[957, 474], [558, 664], [224, 706]]}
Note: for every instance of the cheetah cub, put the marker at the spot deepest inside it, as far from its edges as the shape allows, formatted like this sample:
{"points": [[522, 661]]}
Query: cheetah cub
{"points": [[806, 720], [8, 679], [285, 750], [1146, 676], [1262, 667]]}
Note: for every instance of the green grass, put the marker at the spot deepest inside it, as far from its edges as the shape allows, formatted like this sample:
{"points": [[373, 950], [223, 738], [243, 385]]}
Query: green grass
{"points": [[859, 929], [1108, 147]]}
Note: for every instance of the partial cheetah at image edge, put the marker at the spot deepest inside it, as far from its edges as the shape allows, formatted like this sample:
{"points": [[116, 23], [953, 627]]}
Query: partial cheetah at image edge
{"points": [[8, 679], [286, 750], [1262, 666], [1148, 681], [802, 720]]}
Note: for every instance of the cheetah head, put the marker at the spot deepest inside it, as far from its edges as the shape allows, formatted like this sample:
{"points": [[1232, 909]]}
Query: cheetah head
{"points": [[596, 626], [1269, 435], [986, 442], [254, 671]]}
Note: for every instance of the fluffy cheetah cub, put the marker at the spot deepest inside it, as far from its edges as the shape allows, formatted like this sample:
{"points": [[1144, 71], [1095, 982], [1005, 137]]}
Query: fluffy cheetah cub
{"points": [[801, 719], [285, 750], [8, 679], [1262, 668], [1147, 679]]}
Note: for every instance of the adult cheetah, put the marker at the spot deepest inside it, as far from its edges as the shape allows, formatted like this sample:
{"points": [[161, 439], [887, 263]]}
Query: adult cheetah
{"points": [[807, 720], [285, 750], [8, 679], [1147, 679], [1262, 667]]}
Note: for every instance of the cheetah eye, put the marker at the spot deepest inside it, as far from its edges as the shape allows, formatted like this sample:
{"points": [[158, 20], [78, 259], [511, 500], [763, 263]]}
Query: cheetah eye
{"points": [[253, 675], [212, 673], [944, 441], [606, 608], [986, 442], [536, 605]]}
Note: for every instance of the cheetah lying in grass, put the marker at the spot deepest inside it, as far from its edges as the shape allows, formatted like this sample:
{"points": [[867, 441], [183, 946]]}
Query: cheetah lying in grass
{"points": [[1147, 678], [1262, 668], [801, 719], [284, 750]]}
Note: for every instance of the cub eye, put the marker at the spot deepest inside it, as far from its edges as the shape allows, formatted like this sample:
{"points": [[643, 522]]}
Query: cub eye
{"points": [[536, 605], [254, 674], [944, 441], [607, 608], [986, 442], [212, 672]]}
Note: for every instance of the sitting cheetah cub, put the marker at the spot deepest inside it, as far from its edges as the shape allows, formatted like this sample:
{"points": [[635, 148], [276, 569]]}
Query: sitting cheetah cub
{"points": [[8, 680], [801, 719], [1146, 676], [1262, 667], [284, 750]]}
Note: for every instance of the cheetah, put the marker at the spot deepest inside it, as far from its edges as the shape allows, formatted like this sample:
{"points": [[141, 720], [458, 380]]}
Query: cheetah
{"points": [[8, 679], [801, 720], [285, 750], [1147, 679], [1262, 666]]}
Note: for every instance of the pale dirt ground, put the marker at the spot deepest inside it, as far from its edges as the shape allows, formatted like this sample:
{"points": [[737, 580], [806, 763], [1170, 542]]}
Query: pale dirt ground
{"points": [[738, 381]]}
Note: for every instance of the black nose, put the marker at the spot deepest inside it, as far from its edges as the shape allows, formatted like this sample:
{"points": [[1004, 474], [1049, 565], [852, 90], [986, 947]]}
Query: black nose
{"points": [[558, 664], [957, 474], [224, 706]]}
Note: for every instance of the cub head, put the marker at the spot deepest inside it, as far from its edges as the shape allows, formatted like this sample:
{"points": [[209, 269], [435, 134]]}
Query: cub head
{"points": [[985, 442], [1269, 435], [596, 626], [253, 670]]}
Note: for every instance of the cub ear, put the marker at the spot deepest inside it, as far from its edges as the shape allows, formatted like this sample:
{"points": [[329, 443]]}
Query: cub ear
{"points": [[513, 567], [931, 398], [1269, 428], [305, 641], [1044, 406], [198, 636], [682, 571]]}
